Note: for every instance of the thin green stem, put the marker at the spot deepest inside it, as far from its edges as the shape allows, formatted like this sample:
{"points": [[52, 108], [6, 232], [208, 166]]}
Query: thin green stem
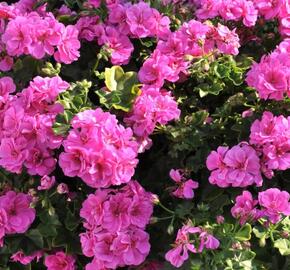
{"points": [[165, 208]]}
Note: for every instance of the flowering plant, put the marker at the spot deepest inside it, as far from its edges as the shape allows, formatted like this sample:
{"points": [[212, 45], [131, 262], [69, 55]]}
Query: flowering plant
{"points": [[144, 135]]}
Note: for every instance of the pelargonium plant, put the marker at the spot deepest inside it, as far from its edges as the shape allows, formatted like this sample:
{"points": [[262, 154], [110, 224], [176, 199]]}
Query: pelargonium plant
{"points": [[145, 135]]}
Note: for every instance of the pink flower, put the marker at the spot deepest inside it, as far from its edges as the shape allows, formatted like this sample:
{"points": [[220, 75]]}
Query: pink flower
{"points": [[155, 70], [227, 40], [215, 163], [220, 219], [274, 203], [133, 246], [244, 166], [179, 254], [270, 136], [68, 49], [94, 3], [268, 8], [118, 17], [209, 241], [184, 187], [7, 87], [46, 182], [19, 214], [208, 9], [89, 28], [13, 154], [140, 211], [151, 107], [116, 214], [141, 20], [23, 259], [6, 63], [247, 113], [268, 129], [17, 36], [62, 188], [39, 161], [245, 208], [99, 150], [59, 261], [118, 45], [93, 207], [270, 77], [239, 10], [115, 222]]}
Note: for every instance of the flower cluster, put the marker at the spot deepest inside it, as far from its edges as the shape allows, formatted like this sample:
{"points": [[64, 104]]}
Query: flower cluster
{"points": [[59, 261], [193, 239], [124, 21], [26, 259], [16, 215], [238, 166], [152, 107], [271, 76], [115, 221], [39, 35], [185, 186], [271, 137], [246, 11], [99, 150], [273, 202], [192, 39], [236, 10], [27, 138]]}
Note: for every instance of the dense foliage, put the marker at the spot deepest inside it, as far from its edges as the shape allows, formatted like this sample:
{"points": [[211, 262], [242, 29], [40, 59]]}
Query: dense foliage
{"points": [[145, 135]]}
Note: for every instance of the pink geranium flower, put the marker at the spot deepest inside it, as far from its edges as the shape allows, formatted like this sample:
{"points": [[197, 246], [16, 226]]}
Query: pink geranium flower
{"points": [[19, 213], [274, 203], [24, 259], [68, 48], [46, 182], [179, 254], [184, 187], [245, 208], [59, 261]]}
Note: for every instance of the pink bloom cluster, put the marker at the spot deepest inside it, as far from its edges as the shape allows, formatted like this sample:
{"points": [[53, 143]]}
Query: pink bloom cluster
{"points": [[193, 38], [245, 208], [152, 107], [115, 221], [271, 137], [39, 35], [60, 261], [229, 10], [184, 243], [26, 259], [99, 150], [238, 166], [16, 215], [26, 120], [246, 11], [273, 202], [125, 21], [185, 186], [271, 76]]}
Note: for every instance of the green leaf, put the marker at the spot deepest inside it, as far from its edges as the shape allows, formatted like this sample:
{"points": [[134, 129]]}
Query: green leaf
{"points": [[71, 221], [123, 89], [244, 233], [283, 245], [35, 236], [112, 76]]}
